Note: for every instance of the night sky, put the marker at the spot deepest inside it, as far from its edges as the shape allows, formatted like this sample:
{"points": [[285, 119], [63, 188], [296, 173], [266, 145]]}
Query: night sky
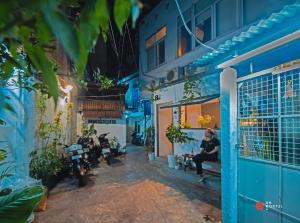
{"points": [[118, 57]]}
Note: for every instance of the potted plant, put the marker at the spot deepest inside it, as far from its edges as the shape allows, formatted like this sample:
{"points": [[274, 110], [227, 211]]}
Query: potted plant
{"points": [[179, 160], [114, 145], [45, 164], [149, 144], [175, 135], [17, 205]]}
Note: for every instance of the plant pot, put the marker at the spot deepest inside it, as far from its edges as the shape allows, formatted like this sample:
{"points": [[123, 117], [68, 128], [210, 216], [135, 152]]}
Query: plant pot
{"points": [[151, 156], [171, 161], [42, 206], [176, 167]]}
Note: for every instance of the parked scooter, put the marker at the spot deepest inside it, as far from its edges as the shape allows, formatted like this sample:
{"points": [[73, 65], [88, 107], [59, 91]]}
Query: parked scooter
{"points": [[90, 148], [137, 139], [105, 148], [80, 164]]}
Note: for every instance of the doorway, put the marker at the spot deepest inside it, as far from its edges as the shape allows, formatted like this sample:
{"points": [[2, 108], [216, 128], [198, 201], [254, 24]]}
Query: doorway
{"points": [[164, 119]]}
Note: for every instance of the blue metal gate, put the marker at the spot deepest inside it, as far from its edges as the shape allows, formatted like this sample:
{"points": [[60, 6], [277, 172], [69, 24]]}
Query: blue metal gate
{"points": [[269, 148]]}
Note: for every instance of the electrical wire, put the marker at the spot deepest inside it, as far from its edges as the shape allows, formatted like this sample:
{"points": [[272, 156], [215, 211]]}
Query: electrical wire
{"points": [[122, 50], [126, 25], [187, 28]]}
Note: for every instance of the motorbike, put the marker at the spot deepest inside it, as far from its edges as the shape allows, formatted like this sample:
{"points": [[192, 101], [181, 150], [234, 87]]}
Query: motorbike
{"points": [[137, 139], [91, 149], [79, 163], [105, 148]]}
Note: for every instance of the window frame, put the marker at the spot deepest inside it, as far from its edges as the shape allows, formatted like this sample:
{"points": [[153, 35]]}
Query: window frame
{"points": [[212, 23], [191, 19], [155, 45], [238, 17], [186, 115]]}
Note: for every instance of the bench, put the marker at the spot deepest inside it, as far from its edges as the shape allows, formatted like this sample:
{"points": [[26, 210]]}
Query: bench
{"points": [[209, 167]]}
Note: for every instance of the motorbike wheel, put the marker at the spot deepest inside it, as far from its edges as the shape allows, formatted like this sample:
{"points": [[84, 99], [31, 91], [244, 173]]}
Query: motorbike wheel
{"points": [[108, 161], [82, 177]]}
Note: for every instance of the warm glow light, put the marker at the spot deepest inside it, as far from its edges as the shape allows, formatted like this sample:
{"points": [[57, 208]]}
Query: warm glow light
{"points": [[67, 89]]}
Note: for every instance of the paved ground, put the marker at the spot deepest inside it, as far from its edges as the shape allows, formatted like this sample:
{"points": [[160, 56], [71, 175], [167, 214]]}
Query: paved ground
{"points": [[135, 190]]}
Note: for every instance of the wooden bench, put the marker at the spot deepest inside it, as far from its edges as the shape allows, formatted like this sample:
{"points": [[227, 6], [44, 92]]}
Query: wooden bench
{"points": [[209, 167]]}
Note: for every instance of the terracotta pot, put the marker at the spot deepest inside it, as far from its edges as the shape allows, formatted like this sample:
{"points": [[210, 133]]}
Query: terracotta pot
{"points": [[42, 206]]}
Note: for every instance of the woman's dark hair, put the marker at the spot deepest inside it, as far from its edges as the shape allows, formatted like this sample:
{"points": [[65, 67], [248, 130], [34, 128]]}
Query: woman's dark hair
{"points": [[212, 132]]}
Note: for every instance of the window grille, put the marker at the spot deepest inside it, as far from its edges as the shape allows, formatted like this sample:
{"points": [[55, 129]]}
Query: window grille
{"points": [[269, 117]]}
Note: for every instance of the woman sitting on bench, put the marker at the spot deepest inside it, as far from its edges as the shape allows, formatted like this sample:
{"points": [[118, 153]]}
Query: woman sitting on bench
{"points": [[209, 151]]}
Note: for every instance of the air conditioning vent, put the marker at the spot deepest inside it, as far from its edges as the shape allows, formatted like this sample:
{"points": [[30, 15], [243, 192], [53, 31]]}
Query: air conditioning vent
{"points": [[175, 74], [171, 75]]}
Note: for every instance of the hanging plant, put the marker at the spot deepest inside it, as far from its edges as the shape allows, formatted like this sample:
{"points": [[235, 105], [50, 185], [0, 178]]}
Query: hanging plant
{"points": [[191, 90], [104, 82], [69, 111]]}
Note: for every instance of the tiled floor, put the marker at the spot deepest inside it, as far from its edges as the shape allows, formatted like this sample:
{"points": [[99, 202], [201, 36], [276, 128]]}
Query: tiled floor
{"points": [[135, 190]]}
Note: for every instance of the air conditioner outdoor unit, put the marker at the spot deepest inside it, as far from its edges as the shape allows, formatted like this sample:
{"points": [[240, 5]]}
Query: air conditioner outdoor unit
{"points": [[175, 74]]}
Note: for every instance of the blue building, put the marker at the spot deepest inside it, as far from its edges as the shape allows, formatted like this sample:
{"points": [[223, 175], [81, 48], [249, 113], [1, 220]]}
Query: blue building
{"points": [[137, 114], [247, 65]]}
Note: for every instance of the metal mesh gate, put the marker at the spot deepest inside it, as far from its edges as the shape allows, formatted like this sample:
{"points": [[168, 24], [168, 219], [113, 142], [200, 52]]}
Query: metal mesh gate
{"points": [[269, 147], [269, 117]]}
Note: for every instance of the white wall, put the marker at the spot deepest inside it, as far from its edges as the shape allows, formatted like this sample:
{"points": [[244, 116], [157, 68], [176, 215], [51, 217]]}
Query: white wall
{"points": [[17, 137], [118, 130]]}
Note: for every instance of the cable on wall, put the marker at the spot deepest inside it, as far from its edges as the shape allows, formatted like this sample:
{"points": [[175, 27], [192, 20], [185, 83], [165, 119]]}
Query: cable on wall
{"points": [[187, 28]]}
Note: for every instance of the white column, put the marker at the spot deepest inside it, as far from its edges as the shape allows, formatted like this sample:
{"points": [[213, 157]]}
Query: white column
{"points": [[228, 144]]}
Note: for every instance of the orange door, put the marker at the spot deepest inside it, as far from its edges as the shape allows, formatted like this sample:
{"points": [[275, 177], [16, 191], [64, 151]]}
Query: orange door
{"points": [[165, 118]]}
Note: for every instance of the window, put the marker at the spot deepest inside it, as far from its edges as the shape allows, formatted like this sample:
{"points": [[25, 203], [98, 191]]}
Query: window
{"points": [[205, 115], [203, 27], [225, 16], [184, 38], [155, 47], [253, 13]]}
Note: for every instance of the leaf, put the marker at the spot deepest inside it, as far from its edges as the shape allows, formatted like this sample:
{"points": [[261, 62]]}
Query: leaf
{"points": [[42, 63], [62, 28], [8, 107], [17, 206], [3, 154], [121, 12], [135, 11], [2, 122], [43, 32]]}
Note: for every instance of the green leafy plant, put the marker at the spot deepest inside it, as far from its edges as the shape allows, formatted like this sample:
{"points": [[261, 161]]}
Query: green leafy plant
{"points": [[87, 131], [6, 166], [104, 82], [114, 143], [175, 135], [30, 29], [45, 163], [179, 160], [17, 206], [191, 90]]}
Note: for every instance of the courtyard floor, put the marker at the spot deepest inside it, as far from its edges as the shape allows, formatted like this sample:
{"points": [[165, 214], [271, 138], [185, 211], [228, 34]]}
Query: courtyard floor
{"points": [[135, 190]]}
